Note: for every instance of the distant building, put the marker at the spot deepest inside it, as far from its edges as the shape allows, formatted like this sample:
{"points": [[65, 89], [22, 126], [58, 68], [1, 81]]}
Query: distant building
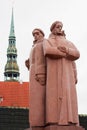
{"points": [[11, 72], [14, 94], [14, 105]]}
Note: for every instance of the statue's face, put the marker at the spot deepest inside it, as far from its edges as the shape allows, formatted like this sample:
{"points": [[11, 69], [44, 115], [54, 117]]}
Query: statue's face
{"points": [[37, 35], [58, 29]]}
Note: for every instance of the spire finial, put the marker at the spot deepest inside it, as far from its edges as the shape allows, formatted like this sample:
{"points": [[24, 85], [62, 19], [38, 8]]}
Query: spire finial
{"points": [[12, 33]]}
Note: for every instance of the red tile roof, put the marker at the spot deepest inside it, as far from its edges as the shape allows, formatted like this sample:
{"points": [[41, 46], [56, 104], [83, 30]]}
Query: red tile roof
{"points": [[14, 94]]}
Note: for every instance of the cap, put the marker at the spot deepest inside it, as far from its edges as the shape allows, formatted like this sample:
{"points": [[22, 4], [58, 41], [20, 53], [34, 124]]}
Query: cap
{"points": [[37, 29]]}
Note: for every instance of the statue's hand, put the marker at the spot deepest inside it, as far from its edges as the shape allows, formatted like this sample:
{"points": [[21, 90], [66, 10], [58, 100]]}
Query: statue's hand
{"points": [[63, 49], [41, 79]]}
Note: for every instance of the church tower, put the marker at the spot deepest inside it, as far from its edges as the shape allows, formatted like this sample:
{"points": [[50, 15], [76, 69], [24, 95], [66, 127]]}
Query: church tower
{"points": [[11, 72]]}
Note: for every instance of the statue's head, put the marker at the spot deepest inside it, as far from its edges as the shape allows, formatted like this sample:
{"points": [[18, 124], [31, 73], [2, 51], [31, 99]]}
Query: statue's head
{"points": [[36, 30], [38, 34], [56, 23], [56, 27]]}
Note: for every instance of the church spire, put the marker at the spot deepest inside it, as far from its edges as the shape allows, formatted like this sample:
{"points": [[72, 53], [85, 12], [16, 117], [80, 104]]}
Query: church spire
{"points": [[12, 32], [11, 68]]}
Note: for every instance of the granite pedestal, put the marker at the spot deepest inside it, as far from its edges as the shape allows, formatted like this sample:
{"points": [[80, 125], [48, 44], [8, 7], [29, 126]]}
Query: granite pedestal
{"points": [[56, 127]]}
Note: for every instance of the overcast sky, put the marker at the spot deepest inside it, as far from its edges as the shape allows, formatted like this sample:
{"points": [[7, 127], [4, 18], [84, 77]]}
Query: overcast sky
{"points": [[29, 14]]}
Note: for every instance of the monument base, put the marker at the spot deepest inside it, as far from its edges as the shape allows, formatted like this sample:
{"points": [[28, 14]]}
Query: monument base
{"points": [[56, 127]]}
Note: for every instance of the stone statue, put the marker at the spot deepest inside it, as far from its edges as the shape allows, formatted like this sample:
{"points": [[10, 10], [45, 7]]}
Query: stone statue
{"points": [[37, 66], [61, 98], [53, 78]]}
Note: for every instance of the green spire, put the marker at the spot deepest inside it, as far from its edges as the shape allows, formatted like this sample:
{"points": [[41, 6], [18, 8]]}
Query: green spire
{"points": [[12, 33], [11, 71]]}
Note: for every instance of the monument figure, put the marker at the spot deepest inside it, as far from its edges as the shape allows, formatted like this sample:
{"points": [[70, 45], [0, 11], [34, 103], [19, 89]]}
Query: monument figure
{"points": [[61, 98], [36, 65], [53, 100]]}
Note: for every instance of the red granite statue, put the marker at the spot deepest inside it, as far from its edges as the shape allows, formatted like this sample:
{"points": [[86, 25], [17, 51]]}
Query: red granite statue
{"points": [[37, 66], [53, 101], [61, 98]]}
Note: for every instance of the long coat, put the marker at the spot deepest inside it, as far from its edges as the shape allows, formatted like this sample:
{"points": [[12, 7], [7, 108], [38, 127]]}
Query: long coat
{"points": [[37, 91], [61, 98]]}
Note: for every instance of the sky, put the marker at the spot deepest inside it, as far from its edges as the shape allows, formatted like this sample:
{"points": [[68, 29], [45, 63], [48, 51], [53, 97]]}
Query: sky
{"points": [[30, 14]]}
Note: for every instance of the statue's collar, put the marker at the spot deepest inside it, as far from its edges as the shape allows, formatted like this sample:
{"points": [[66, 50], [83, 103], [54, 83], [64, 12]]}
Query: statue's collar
{"points": [[53, 36]]}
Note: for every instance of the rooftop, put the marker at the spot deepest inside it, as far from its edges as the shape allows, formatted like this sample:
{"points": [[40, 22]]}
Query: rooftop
{"points": [[14, 94]]}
